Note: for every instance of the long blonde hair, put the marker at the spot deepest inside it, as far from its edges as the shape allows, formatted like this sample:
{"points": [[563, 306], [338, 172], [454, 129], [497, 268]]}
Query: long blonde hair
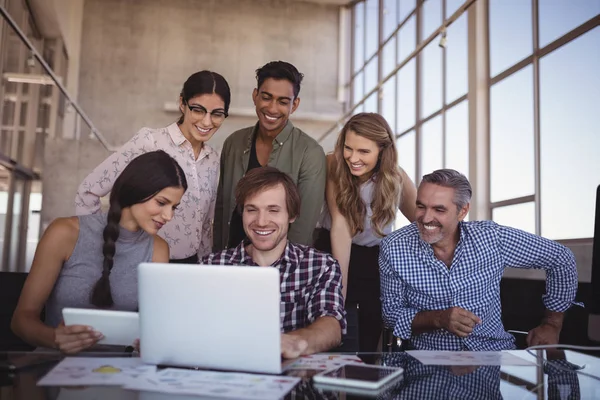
{"points": [[388, 180]]}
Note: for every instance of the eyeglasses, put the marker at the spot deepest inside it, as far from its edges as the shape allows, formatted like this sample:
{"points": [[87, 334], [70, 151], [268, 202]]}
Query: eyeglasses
{"points": [[198, 112]]}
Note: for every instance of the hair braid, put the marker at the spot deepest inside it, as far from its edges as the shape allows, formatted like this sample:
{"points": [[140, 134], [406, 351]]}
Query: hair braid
{"points": [[101, 295]]}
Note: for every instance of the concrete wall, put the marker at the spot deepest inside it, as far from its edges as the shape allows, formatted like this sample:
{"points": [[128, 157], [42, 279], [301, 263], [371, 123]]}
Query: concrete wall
{"points": [[135, 55]]}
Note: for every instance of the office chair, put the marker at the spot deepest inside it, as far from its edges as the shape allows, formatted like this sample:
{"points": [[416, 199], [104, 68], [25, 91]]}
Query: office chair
{"points": [[11, 284], [350, 339]]}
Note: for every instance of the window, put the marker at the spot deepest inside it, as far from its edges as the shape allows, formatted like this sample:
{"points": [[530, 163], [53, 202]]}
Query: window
{"points": [[432, 146], [570, 137], [457, 138], [511, 37], [511, 137], [558, 17]]}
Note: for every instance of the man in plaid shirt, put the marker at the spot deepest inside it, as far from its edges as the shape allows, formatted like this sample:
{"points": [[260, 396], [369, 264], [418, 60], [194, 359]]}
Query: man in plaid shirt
{"points": [[440, 276], [312, 306]]}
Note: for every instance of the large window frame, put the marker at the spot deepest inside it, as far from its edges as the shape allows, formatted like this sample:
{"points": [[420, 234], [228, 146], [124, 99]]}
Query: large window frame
{"points": [[480, 83]]}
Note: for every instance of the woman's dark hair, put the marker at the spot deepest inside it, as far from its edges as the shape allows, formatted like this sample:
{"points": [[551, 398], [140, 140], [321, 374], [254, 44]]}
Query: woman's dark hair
{"points": [[280, 70], [205, 82], [142, 179]]}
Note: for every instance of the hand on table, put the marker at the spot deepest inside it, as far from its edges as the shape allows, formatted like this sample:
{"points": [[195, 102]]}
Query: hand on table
{"points": [[458, 321], [292, 346], [545, 333], [75, 338]]}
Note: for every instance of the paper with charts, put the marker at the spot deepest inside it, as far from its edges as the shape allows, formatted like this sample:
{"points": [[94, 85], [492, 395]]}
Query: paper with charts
{"points": [[132, 373], [467, 358], [230, 385], [322, 361], [86, 371]]}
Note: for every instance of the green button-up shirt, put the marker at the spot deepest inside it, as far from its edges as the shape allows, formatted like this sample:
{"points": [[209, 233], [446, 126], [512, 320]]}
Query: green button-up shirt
{"points": [[295, 153]]}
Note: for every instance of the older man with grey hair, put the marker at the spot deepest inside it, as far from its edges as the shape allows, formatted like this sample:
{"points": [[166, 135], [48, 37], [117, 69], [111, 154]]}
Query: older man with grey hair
{"points": [[440, 276]]}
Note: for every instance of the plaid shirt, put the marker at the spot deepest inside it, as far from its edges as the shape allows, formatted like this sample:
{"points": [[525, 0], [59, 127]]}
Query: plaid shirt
{"points": [[414, 280], [311, 283]]}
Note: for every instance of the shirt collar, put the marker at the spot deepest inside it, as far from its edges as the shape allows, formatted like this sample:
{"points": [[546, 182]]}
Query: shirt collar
{"points": [[289, 256], [280, 139], [178, 139], [427, 247], [175, 134]]}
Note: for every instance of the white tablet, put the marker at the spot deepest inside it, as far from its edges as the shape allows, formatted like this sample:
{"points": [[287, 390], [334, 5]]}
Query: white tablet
{"points": [[118, 327], [362, 376]]}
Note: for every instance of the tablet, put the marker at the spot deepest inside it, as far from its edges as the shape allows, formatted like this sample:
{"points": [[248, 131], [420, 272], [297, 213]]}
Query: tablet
{"points": [[118, 327], [363, 376]]}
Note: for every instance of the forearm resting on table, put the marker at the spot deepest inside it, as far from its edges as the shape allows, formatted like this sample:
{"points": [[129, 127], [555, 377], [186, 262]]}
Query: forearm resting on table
{"points": [[33, 331], [323, 334]]}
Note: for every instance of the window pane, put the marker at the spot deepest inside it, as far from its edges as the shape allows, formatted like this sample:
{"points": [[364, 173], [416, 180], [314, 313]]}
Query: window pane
{"points": [[358, 88], [457, 60], [407, 98], [406, 7], [388, 102], [520, 216], [389, 57], [372, 26], [371, 75], [431, 146], [431, 95], [510, 33], [558, 17], [511, 136], [371, 103], [408, 39], [406, 146], [432, 17], [452, 6], [359, 36], [390, 17], [570, 137], [407, 154], [457, 138]]}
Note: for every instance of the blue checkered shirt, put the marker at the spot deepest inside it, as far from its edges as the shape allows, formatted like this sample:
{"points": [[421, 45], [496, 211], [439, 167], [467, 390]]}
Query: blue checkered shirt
{"points": [[414, 280], [311, 283]]}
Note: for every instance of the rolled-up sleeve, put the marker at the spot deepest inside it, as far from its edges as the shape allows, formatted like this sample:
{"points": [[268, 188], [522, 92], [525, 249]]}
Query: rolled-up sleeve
{"points": [[397, 313], [524, 250], [327, 299]]}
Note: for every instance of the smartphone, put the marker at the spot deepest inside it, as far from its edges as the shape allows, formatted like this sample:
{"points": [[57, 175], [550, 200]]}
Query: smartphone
{"points": [[362, 376], [118, 327]]}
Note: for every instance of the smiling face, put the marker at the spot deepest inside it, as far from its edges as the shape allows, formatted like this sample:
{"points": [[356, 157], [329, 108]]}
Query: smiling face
{"points": [[266, 219], [274, 101], [152, 214], [436, 214], [361, 155], [198, 128]]}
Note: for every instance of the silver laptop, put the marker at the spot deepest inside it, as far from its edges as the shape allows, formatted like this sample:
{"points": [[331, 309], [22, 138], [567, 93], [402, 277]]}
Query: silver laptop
{"points": [[218, 317]]}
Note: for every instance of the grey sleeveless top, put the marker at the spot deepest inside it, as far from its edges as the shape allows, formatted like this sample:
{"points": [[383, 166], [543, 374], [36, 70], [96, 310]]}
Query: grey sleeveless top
{"points": [[367, 237], [82, 270]]}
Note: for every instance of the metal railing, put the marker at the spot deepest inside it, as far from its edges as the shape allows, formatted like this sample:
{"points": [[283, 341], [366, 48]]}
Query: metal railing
{"points": [[56, 81]]}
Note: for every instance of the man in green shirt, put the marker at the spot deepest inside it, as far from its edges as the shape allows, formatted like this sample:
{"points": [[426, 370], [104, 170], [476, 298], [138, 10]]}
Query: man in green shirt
{"points": [[273, 141]]}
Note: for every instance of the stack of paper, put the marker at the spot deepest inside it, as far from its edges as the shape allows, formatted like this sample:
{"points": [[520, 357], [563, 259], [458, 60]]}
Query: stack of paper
{"points": [[131, 373]]}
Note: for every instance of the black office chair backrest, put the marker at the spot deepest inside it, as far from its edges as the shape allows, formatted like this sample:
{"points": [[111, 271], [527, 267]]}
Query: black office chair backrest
{"points": [[350, 339], [11, 284]]}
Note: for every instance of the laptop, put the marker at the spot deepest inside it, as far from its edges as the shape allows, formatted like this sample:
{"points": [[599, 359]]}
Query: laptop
{"points": [[207, 316]]}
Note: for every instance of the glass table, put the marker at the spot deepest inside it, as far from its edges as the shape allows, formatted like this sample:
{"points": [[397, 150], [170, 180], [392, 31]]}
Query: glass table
{"points": [[552, 375]]}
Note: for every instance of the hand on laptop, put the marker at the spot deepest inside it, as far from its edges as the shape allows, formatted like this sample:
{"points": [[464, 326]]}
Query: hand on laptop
{"points": [[75, 338], [292, 346]]}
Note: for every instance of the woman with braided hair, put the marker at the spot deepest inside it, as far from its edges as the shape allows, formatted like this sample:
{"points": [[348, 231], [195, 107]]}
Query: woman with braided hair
{"points": [[91, 261]]}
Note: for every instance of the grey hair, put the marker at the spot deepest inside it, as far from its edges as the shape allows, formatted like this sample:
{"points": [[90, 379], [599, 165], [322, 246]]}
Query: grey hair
{"points": [[452, 179]]}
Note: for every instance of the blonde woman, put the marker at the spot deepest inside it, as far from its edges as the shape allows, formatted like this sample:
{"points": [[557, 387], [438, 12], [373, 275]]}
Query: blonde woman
{"points": [[365, 188]]}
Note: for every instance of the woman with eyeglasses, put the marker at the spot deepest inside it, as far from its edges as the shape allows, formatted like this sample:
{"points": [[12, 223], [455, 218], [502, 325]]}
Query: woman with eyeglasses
{"points": [[204, 103], [365, 189]]}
